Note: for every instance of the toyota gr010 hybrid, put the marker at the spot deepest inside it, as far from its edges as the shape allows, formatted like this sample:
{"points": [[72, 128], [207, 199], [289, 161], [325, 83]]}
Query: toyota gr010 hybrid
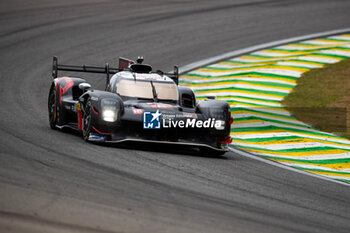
{"points": [[137, 105]]}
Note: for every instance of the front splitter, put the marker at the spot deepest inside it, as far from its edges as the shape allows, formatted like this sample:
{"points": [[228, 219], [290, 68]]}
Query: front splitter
{"points": [[181, 144]]}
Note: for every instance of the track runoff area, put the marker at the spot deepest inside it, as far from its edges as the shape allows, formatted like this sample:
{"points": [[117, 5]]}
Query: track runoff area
{"points": [[255, 84]]}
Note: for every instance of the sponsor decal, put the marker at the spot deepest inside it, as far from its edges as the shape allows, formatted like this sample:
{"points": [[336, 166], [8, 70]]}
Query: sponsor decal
{"points": [[96, 137], [137, 111], [152, 120], [166, 106], [190, 115], [194, 123], [149, 76], [71, 107], [157, 120]]}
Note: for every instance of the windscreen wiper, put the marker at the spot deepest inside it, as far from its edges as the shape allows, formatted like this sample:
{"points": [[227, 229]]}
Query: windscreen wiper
{"points": [[155, 96]]}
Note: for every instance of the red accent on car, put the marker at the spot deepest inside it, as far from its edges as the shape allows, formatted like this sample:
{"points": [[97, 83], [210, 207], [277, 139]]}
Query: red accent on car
{"points": [[137, 111], [93, 109], [227, 141], [160, 105], [231, 120], [100, 131], [80, 117], [65, 83]]}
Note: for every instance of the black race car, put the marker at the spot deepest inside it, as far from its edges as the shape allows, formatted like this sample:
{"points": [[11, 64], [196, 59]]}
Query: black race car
{"points": [[137, 105]]}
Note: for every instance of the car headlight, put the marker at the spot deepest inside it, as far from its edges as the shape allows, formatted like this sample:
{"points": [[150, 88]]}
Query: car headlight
{"points": [[109, 115], [110, 108]]}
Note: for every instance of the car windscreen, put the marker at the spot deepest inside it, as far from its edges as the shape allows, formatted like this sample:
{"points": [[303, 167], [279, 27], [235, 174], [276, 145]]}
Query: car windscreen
{"points": [[143, 89]]}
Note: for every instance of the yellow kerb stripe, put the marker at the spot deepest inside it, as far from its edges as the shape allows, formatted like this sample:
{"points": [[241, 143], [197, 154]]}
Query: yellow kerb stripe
{"points": [[292, 81], [301, 153], [329, 173], [292, 141], [337, 166], [239, 82], [262, 67], [283, 131], [260, 107], [235, 91], [285, 52], [268, 59]]}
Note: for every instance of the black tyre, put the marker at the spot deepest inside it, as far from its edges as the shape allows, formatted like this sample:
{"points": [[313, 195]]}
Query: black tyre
{"points": [[52, 107], [87, 120]]}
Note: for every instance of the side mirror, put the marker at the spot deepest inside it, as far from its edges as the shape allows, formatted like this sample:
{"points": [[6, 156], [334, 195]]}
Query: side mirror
{"points": [[211, 96], [84, 86]]}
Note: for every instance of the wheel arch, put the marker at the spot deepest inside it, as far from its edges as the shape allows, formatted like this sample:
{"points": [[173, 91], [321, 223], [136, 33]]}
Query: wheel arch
{"points": [[96, 97], [219, 110], [186, 97]]}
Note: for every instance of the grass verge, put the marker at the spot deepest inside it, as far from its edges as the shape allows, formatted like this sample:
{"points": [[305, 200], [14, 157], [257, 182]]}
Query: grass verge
{"points": [[322, 98]]}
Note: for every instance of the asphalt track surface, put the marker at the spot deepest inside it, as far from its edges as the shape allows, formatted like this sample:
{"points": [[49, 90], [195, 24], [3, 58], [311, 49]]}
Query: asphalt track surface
{"points": [[52, 181]]}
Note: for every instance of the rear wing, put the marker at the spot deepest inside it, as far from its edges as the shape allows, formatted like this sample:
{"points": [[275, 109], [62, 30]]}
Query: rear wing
{"points": [[84, 68], [124, 64]]}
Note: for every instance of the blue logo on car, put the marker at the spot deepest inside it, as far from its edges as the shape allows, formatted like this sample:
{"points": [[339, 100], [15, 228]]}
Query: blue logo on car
{"points": [[151, 120]]}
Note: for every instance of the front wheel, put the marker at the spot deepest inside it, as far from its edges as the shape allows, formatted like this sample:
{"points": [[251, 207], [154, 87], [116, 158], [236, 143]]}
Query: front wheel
{"points": [[87, 120], [52, 107]]}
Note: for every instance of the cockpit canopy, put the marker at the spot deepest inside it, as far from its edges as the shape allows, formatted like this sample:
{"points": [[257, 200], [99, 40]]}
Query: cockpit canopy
{"points": [[142, 89]]}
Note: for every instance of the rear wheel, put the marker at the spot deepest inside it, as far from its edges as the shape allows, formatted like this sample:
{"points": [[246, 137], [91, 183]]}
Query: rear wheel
{"points": [[87, 120], [52, 107]]}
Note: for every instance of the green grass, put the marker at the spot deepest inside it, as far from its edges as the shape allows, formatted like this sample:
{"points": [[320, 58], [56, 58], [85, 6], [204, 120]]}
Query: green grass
{"points": [[321, 98]]}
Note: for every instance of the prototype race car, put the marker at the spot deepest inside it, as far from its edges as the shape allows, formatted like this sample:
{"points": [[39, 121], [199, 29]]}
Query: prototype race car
{"points": [[137, 105]]}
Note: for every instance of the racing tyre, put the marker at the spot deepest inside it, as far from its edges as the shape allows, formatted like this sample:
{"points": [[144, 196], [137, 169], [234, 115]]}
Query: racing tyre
{"points": [[87, 120], [52, 107]]}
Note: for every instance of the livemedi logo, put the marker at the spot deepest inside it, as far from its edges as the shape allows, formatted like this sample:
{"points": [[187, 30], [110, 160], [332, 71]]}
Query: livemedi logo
{"points": [[154, 120], [151, 120]]}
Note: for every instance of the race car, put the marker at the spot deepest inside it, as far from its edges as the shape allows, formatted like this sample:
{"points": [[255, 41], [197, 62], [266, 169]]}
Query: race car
{"points": [[137, 105]]}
